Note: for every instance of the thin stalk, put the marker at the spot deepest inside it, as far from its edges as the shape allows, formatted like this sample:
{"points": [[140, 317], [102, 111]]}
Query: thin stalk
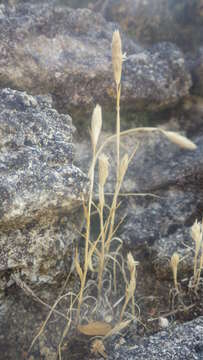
{"points": [[124, 133], [118, 95], [195, 264], [102, 254], [87, 235], [112, 216], [200, 268]]}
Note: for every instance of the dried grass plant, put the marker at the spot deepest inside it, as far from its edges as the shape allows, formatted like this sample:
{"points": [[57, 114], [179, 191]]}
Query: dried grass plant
{"points": [[96, 126], [197, 236], [100, 248]]}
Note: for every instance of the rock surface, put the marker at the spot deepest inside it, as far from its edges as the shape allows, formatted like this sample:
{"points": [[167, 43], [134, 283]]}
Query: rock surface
{"points": [[151, 21], [183, 342], [67, 52], [195, 64], [39, 187]]}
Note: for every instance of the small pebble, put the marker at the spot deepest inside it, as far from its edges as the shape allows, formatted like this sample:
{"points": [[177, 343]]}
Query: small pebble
{"points": [[163, 322]]}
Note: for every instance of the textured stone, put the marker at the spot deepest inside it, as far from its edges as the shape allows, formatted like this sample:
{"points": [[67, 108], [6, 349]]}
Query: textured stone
{"points": [[67, 52], [183, 342], [151, 21], [40, 188], [195, 64]]}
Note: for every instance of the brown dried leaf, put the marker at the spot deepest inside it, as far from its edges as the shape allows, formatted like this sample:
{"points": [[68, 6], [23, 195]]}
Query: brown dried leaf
{"points": [[95, 328]]}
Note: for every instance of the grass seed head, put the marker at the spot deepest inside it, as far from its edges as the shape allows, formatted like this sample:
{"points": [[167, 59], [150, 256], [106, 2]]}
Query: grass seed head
{"points": [[196, 232], [103, 169], [175, 258], [131, 262], [180, 140], [123, 166], [96, 125], [117, 56]]}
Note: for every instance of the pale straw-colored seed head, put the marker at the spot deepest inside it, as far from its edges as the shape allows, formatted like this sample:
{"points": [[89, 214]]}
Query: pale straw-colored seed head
{"points": [[180, 140], [131, 262], [132, 269], [196, 233], [123, 166], [117, 56], [175, 258], [103, 169], [96, 125]]}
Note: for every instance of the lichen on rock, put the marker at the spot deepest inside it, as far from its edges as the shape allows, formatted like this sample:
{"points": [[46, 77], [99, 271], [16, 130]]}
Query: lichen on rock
{"points": [[40, 188]]}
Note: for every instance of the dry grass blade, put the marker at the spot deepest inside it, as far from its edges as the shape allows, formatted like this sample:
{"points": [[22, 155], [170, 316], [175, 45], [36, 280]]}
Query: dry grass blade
{"points": [[123, 167], [95, 328], [118, 327], [46, 321], [77, 266]]}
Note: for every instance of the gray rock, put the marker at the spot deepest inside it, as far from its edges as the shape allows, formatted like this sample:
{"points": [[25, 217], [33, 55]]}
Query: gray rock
{"points": [[151, 21], [40, 188], [195, 64], [184, 342], [67, 52]]}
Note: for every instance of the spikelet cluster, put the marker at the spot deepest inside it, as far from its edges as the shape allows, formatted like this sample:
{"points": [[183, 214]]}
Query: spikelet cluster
{"points": [[103, 169], [196, 234], [123, 167], [96, 125], [117, 57], [180, 140], [131, 285], [174, 265]]}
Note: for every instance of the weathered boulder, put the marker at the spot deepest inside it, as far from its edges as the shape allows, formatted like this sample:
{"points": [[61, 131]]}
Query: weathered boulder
{"points": [[195, 64], [40, 188], [67, 53], [151, 21]]}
